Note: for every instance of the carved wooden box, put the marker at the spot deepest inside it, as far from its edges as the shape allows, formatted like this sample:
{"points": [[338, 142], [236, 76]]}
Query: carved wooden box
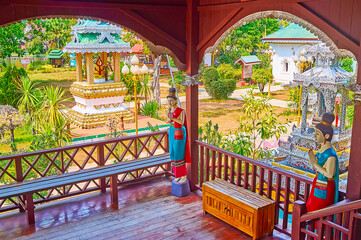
{"points": [[243, 209]]}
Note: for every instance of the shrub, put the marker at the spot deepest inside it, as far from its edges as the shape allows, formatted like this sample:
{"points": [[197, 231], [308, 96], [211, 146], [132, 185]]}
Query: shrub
{"points": [[150, 109], [238, 74], [178, 79], [222, 88], [294, 98], [210, 74], [34, 65], [47, 68], [261, 77], [225, 71], [216, 87]]}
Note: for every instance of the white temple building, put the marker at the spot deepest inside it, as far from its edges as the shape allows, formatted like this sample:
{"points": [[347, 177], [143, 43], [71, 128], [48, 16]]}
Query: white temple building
{"points": [[287, 42]]}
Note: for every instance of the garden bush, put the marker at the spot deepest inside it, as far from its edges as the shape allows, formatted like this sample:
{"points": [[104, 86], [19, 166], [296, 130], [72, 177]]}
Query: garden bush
{"points": [[222, 88], [150, 109], [178, 79], [226, 71], [47, 68], [216, 87]]}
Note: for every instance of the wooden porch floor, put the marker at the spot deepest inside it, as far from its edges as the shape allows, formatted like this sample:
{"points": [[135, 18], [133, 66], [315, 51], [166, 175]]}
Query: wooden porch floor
{"points": [[146, 211]]}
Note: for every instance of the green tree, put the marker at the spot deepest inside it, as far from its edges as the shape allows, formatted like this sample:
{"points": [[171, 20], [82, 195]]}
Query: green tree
{"points": [[35, 36], [11, 38], [9, 83], [246, 40], [260, 122], [58, 32], [261, 77], [347, 64]]}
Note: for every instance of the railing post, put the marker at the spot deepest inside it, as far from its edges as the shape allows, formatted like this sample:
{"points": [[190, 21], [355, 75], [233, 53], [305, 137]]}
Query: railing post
{"points": [[19, 176], [166, 144], [101, 161], [299, 208]]}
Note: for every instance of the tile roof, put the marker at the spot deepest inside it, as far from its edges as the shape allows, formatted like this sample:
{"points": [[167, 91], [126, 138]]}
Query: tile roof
{"points": [[291, 32]]}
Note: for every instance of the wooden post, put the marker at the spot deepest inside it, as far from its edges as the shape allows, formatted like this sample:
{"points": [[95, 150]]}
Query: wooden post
{"points": [[298, 209], [101, 161], [79, 67], [166, 140], [89, 68], [192, 65], [29, 203], [19, 176], [114, 190], [353, 191]]}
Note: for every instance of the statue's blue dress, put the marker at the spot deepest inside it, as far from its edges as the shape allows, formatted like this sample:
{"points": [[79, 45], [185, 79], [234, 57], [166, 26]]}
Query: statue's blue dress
{"points": [[324, 191]]}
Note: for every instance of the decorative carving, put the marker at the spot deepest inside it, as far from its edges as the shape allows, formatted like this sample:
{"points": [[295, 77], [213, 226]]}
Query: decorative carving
{"points": [[192, 80]]}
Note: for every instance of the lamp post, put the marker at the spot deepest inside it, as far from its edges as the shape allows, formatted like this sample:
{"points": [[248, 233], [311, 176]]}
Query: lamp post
{"points": [[134, 69], [302, 62], [270, 52]]}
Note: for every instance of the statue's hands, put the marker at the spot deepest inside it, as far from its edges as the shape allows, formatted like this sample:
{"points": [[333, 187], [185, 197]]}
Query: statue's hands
{"points": [[312, 157]]}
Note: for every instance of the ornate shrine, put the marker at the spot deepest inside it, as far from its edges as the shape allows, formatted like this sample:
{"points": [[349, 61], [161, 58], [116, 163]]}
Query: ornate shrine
{"points": [[96, 97], [325, 88]]}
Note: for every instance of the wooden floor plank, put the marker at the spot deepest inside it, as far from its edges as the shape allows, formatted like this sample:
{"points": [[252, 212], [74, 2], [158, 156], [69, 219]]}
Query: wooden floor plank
{"points": [[146, 211]]}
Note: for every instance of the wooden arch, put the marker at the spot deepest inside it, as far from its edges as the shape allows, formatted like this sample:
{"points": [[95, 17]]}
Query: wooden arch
{"points": [[342, 53], [134, 17]]}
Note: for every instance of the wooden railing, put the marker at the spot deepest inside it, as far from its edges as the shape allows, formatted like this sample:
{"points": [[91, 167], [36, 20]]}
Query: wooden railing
{"points": [[335, 222], [57, 161], [272, 182]]}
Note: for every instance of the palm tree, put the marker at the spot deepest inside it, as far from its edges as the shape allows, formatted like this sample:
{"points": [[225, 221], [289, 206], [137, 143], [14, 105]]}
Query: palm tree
{"points": [[29, 100], [29, 95], [145, 89], [52, 106]]}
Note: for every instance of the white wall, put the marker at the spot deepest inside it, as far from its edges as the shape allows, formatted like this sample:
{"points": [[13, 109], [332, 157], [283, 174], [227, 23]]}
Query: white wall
{"points": [[283, 54], [207, 59]]}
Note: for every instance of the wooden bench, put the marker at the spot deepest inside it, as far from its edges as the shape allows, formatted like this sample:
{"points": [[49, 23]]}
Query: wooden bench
{"points": [[243, 209], [27, 188]]}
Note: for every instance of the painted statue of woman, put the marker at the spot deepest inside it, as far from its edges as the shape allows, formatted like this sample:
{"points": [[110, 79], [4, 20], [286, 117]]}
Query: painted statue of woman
{"points": [[177, 137], [324, 191]]}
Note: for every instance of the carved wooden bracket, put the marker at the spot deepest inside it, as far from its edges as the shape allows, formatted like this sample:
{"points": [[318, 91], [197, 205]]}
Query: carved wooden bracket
{"points": [[192, 80]]}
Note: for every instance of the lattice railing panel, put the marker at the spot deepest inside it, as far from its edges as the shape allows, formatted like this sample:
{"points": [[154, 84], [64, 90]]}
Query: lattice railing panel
{"points": [[35, 165], [271, 182]]}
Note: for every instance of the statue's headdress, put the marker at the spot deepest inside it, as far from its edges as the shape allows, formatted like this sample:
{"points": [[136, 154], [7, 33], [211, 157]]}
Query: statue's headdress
{"points": [[172, 93], [325, 126]]}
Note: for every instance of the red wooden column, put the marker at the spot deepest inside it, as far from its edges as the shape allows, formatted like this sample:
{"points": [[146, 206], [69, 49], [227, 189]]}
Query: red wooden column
{"points": [[192, 64], [354, 169]]}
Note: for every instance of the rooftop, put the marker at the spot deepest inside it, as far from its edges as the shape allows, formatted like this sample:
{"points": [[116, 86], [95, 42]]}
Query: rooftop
{"points": [[253, 59], [292, 32]]}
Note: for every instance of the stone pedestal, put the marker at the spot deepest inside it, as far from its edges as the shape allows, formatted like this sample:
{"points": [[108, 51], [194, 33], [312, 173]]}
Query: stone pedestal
{"points": [[180, 189], [95, 103]]}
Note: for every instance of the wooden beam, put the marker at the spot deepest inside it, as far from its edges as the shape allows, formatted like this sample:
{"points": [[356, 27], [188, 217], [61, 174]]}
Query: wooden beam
{"points": [[329, 30], [159, 32], [219, 27], [97, 5], [241, 3]]}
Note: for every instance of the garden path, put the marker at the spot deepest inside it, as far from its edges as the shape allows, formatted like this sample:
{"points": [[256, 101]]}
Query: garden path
{"points": [[237, 94]]}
